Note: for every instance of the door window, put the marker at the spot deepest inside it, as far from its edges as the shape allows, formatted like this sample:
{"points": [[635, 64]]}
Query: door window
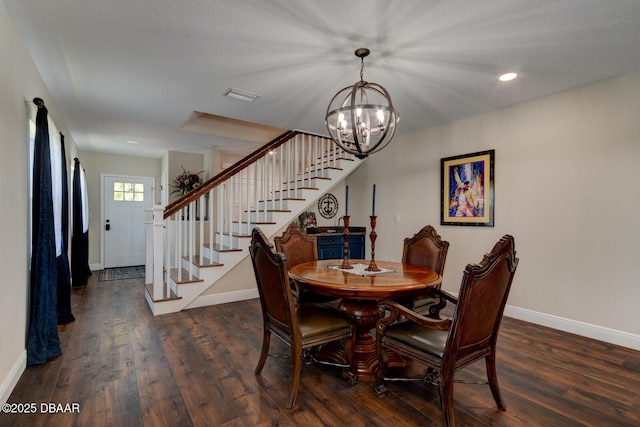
{"points": [[128, 192]]}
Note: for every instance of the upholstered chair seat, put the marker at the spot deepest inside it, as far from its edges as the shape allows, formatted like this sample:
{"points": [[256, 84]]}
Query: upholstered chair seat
{"points": [[422, 339], [317, 321]]}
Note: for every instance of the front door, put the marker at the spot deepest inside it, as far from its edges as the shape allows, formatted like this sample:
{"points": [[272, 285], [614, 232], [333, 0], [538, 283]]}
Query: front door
{"points": [[125, 199]]}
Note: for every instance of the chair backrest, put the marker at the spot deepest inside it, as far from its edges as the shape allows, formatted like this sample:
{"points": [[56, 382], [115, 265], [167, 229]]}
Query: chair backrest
{"points": [[481, 301], [271, 272], [426, 249], [297, 246]]}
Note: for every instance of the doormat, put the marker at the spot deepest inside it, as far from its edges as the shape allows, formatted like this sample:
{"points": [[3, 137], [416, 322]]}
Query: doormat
{"points": [[121, 273]]}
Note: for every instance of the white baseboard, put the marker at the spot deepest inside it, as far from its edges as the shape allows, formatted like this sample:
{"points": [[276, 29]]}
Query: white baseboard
{"points": [[215, 299], [95, 267], [600, 333], [10, 381]]}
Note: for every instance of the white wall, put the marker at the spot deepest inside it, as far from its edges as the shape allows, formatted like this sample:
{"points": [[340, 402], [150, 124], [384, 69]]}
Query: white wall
{"points": [[566, 178], [19, 82], [96, 164]]}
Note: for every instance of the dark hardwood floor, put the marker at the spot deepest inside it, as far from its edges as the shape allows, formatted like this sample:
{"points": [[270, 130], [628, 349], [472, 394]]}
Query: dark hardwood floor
{"points": [[125, 367]]}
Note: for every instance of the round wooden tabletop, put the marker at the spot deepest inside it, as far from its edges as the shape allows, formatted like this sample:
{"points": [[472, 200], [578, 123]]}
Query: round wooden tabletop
{"points": [[403, 280]]}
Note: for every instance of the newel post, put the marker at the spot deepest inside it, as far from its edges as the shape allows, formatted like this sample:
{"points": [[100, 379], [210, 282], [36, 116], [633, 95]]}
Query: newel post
{"points": [[158, 252], [148, 246]]}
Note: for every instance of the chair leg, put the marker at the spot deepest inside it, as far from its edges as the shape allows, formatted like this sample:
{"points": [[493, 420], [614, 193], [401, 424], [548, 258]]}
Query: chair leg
{"points": [[380, 371], [445, 388], [492, 376], [266, 340], [296, 368]]}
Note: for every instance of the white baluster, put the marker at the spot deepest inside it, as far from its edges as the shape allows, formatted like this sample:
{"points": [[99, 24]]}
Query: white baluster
{"points": [[191, 240], [200, 219], [168, 245], [211, 224]]}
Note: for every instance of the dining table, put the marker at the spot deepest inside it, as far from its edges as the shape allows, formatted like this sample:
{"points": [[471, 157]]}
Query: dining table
{"points": [[360, 291]]}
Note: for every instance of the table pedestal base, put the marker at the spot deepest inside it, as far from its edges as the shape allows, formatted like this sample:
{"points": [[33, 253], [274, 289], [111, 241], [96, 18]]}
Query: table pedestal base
{"points": [[363, 315]]}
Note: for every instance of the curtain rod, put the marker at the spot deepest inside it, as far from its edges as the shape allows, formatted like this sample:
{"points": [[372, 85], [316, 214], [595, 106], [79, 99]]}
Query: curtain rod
{"points": [[39, 102]]}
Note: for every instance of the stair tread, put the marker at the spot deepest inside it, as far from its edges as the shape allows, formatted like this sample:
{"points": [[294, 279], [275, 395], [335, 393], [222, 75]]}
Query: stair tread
{"points": [[222, 248], [337, 168], [242, 236], [205, 261], [239, 235], [183, 276], [305, 188], [270, 210], [172, 296], [287, 198]]}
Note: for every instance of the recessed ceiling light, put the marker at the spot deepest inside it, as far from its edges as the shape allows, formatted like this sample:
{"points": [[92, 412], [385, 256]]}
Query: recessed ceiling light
{"points": [[241, 95], [132, 141], [506, 77]]}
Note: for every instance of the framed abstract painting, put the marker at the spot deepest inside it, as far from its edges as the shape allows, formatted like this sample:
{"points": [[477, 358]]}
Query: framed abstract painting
{"points": [[467, 189]]}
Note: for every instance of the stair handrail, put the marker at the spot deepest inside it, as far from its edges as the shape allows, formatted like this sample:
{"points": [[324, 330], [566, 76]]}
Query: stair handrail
{"points": [[216, 180]]}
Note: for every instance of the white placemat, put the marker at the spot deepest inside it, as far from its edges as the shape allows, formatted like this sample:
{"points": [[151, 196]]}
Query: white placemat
{"points": [[360, 270]]}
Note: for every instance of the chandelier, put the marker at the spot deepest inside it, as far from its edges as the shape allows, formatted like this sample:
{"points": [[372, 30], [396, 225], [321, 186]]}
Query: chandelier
{"points": [[360, 118]]}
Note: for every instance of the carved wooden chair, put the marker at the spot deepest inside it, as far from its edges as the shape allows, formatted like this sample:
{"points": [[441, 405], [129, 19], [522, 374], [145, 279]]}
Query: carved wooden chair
{"points": [[300, 247], [299, 328], [447, 345], [426, 249]]}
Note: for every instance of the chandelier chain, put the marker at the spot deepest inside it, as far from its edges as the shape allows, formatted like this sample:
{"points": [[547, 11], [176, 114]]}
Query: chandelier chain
{"points": [[362, 69]]}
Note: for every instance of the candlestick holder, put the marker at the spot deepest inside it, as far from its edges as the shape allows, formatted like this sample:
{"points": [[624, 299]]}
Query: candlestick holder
{"points": [[345, 234], [372, 265]]}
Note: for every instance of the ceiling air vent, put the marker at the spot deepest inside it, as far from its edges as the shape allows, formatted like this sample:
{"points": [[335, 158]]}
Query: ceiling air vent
{"points": [[241, 95]]}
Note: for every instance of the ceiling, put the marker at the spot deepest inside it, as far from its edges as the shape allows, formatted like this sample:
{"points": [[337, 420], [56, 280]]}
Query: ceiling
{"points": [[122, 70]]}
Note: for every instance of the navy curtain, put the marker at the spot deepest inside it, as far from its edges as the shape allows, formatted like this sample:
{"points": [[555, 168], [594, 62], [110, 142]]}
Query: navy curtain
{"points": [[43, 341], [80, 270], [64, 274]]}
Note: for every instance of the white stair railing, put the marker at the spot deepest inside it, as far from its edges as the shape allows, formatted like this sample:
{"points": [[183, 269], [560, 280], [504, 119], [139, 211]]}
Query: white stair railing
{"points": [[195, 234]]}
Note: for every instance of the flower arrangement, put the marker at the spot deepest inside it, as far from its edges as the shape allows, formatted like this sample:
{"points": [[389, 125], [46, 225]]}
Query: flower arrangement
{"points": [[186, 181], [308, 222]]}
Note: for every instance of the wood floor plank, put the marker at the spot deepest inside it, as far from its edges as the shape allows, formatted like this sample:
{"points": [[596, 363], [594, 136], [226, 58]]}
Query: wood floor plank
{"points": [[208, 404], [126, 367]]}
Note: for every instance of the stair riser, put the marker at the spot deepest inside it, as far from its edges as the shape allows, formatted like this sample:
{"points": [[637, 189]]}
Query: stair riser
{"points": [[292, 194], [261, 216], [313, 182], [274, 205], [225, 240], [195, 270]]}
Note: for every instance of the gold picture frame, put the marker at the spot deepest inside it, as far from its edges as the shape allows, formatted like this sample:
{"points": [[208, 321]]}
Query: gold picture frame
{"points": [[467, 189]]}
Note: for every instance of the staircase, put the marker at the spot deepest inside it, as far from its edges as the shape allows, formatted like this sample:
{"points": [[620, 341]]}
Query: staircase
{"points": [[193, 242]]}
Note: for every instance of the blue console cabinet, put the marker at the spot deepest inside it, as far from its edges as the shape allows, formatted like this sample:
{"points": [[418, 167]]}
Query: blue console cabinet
{"points": [[332, 246]]}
